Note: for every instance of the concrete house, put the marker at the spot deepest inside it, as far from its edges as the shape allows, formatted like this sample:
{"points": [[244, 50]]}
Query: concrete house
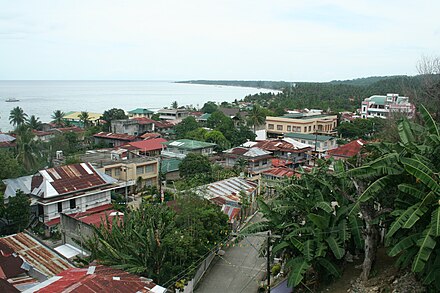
{"points": [[173, 114], [110, 139], [135, 126], [320, 143], [140, 112], [257, 160], [180, 148]]}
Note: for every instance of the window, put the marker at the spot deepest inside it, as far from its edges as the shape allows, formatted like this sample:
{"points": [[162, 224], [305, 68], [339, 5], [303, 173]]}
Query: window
{"points": [[72, 203], [270, 126], [117, 171], [280, 127], [305, 128], [264, 162], [108, 172], [303, 141], [140, 170], [60, 207], [149, 169], [289, 128], [310, 128]]}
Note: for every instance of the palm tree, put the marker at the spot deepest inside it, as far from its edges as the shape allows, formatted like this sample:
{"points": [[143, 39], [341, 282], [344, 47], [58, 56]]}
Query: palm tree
{"points": [[256, 117], [17, 116], [174, 105], [27, 149], [57, 117], [34, 123], [84, 119]]}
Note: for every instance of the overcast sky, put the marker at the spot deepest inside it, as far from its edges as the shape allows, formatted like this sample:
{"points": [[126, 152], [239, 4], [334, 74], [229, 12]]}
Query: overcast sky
{"points": [[203, 39]]}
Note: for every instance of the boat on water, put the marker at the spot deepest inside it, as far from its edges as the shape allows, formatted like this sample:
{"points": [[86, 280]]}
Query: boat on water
{"points": [[12, 100]]}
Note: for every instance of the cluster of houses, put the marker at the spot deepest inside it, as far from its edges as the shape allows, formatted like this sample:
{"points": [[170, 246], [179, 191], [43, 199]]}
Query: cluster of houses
{"points": [[139, 152]]}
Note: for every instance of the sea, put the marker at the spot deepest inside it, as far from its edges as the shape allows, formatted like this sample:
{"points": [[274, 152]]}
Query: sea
{"points": [[42, 98]]}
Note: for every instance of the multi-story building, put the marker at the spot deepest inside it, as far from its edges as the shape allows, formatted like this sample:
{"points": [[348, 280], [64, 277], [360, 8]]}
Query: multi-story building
{"points": [[140, 112], [382, 106], [301, 123], [256, 159], [289, 149], [133, 126], [173, 114], [320, 143], [66, 189], [127, 168]]}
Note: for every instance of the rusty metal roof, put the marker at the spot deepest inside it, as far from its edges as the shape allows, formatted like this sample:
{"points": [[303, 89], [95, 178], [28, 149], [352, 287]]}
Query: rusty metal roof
{"points": [[67, 179], [36, 254], [99, 279], [116, 136]]}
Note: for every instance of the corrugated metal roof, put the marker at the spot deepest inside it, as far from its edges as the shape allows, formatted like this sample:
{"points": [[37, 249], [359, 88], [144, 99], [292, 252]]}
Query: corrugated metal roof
{"points": [[347, 150], [36, 254], [100, 279], [116, 136], [6, 137]]}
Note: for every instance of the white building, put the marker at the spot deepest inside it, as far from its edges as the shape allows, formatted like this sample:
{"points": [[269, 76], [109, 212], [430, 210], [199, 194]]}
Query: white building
{"points": [[65, 189], [382, 106]]}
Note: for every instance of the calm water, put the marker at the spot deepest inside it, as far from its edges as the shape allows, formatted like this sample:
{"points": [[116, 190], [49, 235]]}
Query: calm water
{"points": [[41, 98]]}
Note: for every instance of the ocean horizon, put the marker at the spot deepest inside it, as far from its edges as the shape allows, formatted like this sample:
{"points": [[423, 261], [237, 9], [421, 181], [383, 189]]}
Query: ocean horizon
{"points": [[42, 97]]}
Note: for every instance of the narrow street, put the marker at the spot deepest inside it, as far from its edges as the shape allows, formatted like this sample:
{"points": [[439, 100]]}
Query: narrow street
{"points": [[239, 270]]}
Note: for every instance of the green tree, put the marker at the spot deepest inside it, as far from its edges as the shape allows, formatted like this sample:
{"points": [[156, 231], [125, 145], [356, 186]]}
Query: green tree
{"points": [[411, 166], [34, 123], [9, 167], [18, 211], [174, 105], [17, 116], [188, 124], [157, 242], [209, 107], [218, 138], [194, 164], [197, 134], [256, 117], [112, 114], [84, 119], [57, 118], [313, 226], [28, 151]]}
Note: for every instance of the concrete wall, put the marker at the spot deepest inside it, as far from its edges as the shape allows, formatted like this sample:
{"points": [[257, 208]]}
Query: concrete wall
{"points": [[74, 232]]}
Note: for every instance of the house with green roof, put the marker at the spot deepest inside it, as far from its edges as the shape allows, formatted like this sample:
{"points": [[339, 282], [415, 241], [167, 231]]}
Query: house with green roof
{"points": [[321, 143], [382, 106], [140, 112], [170, 168], [180, 148]]}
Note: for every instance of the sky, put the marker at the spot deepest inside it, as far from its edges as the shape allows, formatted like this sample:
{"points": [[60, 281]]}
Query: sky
{"points": [[224, 39]]}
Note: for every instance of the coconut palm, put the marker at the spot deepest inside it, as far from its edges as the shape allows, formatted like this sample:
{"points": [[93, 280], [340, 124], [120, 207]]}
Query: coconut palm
{"points": [[34, 123], [17, 116], [28, 152], [256, 117], [84, 119], [57, 118]]}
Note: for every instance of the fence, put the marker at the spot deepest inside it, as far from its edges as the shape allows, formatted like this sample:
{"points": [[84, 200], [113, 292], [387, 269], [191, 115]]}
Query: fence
{"points": [[203, 267]]}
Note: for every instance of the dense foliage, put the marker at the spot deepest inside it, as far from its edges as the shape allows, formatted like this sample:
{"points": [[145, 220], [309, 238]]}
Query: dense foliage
{"points": [[159, 242]]}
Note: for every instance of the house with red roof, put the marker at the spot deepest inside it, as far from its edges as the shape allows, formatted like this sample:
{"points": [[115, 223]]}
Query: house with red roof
{"points": [[150, 147], [7, 141], [289, 149], [98, 279], [110, 139], [346, 151], [65, 189]]}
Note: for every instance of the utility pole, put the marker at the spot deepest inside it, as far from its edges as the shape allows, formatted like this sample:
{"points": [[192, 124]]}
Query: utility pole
{"points": [[268, 261]]}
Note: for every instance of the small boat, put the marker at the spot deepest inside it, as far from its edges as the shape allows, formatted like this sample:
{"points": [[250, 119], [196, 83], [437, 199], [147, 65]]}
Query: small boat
{"points": [[12, 100]]}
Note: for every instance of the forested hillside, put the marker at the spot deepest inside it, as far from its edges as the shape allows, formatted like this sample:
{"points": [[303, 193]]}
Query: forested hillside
{"points": [[334, 96]]}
